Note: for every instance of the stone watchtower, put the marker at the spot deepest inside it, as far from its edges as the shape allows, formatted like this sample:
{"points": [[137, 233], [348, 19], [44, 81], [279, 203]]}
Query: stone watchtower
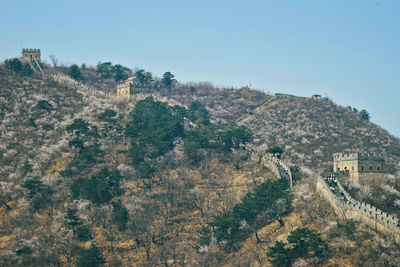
{"points": [[362, 168], [31, 54], [124, 89]]}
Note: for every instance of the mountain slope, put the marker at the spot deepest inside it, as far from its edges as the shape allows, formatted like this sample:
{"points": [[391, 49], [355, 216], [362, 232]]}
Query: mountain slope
{"points": [[311, 130], [168, 211]]}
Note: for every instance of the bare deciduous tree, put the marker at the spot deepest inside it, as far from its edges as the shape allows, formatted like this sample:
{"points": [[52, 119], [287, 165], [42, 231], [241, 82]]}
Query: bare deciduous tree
{"points": [[364, 193], [54, 60], [200, 199], [238, 156]]}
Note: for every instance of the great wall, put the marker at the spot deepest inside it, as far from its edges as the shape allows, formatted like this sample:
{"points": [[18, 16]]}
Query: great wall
{"points": [[351, 209], [359, 211], [61, 78], [32, 56], [81, 87], [277, 166], [256, 109]]}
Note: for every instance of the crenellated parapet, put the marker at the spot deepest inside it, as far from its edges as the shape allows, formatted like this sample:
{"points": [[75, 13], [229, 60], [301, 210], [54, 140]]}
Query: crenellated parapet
{"points": [[274, 164], [374, 213], [356, 156], [352, 209], [34, 50], [80, 87]]}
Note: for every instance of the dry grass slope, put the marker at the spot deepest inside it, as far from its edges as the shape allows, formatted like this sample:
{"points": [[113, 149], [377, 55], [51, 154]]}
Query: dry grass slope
{"points": [[309, 131]]}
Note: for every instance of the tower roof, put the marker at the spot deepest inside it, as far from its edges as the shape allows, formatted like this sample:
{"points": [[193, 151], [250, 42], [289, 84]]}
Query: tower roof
{"points": [[34, 50], [356, 156]]}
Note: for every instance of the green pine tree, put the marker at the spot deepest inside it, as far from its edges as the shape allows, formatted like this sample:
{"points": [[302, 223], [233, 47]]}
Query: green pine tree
{"points": [[92, 257], [168, 79], [75, 73], [120, 215], [26, 168]]}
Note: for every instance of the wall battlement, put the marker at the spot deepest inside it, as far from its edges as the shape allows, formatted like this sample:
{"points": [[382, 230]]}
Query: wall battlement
{"points": [[360, 211], [356, 156], [30, 50], [274, 163]]}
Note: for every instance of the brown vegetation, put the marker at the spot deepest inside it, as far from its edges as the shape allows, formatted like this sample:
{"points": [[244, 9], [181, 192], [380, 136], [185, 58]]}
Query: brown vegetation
{"points": [[167, 213]]}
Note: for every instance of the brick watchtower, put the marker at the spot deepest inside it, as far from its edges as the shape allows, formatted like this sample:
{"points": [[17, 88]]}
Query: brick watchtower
{"points": [[31, 54], [124, 89], [362, 168]]}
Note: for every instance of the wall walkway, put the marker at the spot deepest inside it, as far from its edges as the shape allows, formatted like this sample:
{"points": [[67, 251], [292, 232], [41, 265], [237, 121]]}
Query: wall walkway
{"points": [[81, 87], [61, 78], [277, 166], [360, 211], [255, 110]]}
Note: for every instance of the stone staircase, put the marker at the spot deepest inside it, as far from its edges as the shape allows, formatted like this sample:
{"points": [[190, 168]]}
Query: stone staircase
{"points": [[242, 118]]}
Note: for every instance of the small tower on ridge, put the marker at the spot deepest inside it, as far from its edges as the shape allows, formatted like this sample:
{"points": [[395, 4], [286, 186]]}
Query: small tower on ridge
{"points": [[31, 54], [124, 89]]}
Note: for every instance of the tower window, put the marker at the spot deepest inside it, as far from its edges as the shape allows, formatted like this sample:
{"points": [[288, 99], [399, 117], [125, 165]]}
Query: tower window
{"points": [[362, 168], [370, 168], [378, 168]]}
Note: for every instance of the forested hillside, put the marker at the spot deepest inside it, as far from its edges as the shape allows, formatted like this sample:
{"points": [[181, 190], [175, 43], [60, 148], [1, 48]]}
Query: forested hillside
{"points": [[88, 179]]}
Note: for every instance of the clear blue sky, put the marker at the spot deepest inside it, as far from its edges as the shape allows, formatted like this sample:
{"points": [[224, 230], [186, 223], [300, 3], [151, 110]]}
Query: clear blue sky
{"points": [[348, 50]]}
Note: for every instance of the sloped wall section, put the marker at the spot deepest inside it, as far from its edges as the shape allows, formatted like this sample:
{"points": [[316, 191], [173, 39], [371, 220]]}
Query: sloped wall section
{"points": [[274, 164], [360, 211]]}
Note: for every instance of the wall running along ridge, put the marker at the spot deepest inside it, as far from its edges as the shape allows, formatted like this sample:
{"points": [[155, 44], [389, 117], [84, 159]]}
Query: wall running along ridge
{"points": [[240, 119], [81, 87], [273, 163], [372, 216], [360, 211]]}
